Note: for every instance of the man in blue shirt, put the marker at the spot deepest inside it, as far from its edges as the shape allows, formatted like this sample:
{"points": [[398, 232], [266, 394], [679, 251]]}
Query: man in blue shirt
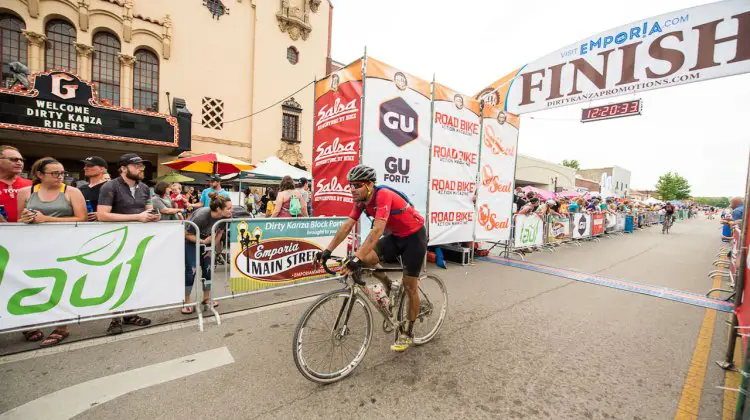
{"points": [[214, 185], [738, 211]]}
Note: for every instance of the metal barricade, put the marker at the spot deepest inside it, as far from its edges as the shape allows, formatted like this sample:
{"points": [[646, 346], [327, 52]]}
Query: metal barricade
{"points": [[114, 274]]}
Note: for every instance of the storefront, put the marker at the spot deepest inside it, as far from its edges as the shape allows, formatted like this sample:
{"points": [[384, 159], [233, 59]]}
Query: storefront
{"points": [[60, 116]]}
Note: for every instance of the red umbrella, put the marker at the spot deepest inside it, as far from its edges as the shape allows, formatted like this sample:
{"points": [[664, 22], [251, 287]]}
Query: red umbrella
{"points": [[210, 163]]}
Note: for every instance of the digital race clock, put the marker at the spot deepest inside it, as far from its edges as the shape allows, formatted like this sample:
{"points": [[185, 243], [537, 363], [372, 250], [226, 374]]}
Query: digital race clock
{"points": [[606, 112]]}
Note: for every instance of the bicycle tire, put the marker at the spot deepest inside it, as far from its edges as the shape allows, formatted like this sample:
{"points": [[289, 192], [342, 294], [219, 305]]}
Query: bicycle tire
{"points": [[298, 354], [442, 311]]}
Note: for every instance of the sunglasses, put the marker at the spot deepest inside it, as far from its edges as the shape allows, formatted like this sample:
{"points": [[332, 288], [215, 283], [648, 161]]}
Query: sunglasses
{"points": [[356, 185]]}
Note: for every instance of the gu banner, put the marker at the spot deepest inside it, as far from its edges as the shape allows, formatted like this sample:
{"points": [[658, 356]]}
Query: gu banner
{"points": [[685, 46], [336, 137], [581, 225], [273, 252], [497, 174], [529, 231], [89, 269], [453, 167], [558, 229], [597, 224]]}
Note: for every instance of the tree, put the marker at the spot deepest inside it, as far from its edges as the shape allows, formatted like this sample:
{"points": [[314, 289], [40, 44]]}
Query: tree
{"points": [[719, 202], [672, 186], [572, 164]]}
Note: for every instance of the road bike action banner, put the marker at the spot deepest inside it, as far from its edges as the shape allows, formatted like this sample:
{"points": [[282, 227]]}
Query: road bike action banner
{"points": [[597, 224], [453, 167], [611, 223], [581, 225], [684, 46], [558, 229], [87, 270], [497, 173], [396, 135], [336, 139], [267, 253], [529, 231]]}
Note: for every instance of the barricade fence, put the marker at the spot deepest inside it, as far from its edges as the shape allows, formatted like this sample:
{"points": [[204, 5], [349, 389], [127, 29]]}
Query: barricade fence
{"points": [[103, 270]]}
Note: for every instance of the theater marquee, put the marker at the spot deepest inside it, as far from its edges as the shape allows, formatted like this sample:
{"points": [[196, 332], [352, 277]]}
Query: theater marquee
{"points": [[61, 103]]}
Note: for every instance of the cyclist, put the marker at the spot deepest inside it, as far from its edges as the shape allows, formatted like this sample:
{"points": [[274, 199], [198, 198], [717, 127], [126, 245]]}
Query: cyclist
{"points": [[668, 215], [405, 236]]}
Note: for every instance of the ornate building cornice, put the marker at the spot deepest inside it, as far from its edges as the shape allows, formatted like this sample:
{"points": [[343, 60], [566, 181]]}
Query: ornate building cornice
{"points": [[127, 60], [295, 20], [84, 50], [35, 39]]}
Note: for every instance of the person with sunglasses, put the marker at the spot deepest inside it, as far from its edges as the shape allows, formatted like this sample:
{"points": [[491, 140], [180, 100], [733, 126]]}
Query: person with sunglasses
{"points": [[11, 166], [406, 237]]}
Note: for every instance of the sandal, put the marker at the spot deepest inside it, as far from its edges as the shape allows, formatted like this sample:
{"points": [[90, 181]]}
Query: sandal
{"points": [[115, 327], [205, 302], [35, 335], [187, 310], [54, 338], [136, 320]]}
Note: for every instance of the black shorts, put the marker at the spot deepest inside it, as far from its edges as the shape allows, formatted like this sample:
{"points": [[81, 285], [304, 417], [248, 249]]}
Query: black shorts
{"points": [[411, 249]]}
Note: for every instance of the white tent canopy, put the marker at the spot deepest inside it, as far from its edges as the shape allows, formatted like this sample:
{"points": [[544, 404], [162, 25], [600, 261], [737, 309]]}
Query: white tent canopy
{"points": [[652, 200], [273, 169]]}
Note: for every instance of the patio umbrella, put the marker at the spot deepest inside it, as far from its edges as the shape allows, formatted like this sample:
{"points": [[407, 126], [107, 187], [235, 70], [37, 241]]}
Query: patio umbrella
{"points": [[542, 194], [569, 194], [210, 163], [174, 177]]}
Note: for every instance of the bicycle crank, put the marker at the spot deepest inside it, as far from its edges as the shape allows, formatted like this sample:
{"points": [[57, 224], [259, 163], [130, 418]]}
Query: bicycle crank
{"points": [[387, 327]]}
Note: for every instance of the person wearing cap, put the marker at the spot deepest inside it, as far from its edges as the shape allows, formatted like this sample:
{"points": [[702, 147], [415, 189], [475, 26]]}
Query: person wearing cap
{"points": [[214, 185], [304, 189], [94, 168]]}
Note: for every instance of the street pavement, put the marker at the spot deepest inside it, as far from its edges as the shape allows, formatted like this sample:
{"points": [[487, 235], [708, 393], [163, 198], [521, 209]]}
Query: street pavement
{"points": [[516, 344]]}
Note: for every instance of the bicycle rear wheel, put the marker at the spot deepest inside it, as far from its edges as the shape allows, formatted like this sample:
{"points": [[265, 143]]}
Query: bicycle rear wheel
{"points": [[325, 349], [433, 306]]}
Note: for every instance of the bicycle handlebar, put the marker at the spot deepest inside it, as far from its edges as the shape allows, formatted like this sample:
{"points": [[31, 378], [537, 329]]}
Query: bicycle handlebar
{"points": [[356, 277]]}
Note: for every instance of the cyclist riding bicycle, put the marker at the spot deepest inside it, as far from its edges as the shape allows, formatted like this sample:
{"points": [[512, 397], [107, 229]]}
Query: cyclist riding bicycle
{"points": [[668, 215], [405, 236]]}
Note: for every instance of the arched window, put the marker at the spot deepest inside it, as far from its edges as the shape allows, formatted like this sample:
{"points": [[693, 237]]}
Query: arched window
{"points": [[146, 81], [61, 48], [105, 67], [12, 45], [292, 54]]}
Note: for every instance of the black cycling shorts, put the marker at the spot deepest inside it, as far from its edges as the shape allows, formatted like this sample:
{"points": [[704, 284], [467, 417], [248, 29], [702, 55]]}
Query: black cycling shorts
{"points": [[411, 249]]}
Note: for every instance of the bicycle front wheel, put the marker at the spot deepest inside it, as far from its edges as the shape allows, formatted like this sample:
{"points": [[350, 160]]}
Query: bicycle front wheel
{"points": [[433, 306], [327, 347]]}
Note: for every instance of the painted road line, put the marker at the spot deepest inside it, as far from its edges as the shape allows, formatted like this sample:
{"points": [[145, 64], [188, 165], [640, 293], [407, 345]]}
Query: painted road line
{"points": [[681, 296], [76, 399], [12, 358], [692, 389]]}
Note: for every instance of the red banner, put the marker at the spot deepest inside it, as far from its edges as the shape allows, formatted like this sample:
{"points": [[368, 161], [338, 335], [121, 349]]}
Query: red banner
{"points": [[336, 139], [597, 224]]}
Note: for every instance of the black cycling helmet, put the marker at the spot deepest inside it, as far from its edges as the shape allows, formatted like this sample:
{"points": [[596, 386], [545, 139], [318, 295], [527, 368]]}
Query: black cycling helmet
{"points": [[361, 173]]}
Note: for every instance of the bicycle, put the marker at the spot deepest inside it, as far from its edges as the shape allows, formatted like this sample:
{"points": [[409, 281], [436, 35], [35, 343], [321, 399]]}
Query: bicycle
{"points": [[668, 220], [332, 322]]}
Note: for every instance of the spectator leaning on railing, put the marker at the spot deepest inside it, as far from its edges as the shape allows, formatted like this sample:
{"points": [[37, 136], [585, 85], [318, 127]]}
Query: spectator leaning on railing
{"points": [[11, 166], [49, 200], [163, 203], [94, 168], [127, 199]]}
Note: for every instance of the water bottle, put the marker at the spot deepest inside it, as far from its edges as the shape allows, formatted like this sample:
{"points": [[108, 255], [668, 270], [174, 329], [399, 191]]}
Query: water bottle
{"points": [[3, 213], [376, 293], [89, 207]]}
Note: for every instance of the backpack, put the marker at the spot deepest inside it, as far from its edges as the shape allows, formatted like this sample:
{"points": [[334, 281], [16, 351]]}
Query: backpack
{"points": [[295, 207], [393, 211], [270, 207]]}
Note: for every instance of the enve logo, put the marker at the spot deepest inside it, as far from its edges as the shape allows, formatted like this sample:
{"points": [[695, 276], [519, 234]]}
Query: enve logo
{"points": [[398, 121]]}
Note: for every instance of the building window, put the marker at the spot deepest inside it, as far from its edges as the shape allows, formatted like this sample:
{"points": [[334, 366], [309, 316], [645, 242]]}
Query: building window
{"points": [[146, 81], [105, 67], [213, 113], [216, 7], [12, 45], [292, 54], [290, 128], [61, 50]]}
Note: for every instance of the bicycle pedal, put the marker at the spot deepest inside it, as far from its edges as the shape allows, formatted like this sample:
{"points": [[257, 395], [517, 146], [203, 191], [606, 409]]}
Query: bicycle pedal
{"points": [[387, 328]]}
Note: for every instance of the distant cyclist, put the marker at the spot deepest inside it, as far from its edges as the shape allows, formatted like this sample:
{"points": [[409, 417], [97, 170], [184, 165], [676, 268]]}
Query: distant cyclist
{"points": [[668, 216], [405, 236]]}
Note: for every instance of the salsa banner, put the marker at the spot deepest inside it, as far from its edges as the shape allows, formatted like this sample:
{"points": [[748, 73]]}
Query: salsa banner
{"points": [[453, 167], [529, 231], [273, 252], [497, 173], [597, 224], [558, 229], [581, 225], [336, 139], [684, 46], [396, 136], [88, 269]]}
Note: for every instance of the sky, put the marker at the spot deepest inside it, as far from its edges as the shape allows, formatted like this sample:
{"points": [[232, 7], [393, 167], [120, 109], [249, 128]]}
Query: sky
{"points": [[700, 130]]}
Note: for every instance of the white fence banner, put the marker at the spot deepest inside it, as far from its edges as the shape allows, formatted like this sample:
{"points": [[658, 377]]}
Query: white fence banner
{"points": [[684, 46], [55, 272], [529, 231], [453, 168], [611, 222], [498, 168], [620, 226], [581, 225]]}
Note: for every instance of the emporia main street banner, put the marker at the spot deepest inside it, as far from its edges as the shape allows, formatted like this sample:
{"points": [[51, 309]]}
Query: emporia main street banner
{"points": [[88, 269], [498, 169], [336, 137], [685, 46], [453, 167]]}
